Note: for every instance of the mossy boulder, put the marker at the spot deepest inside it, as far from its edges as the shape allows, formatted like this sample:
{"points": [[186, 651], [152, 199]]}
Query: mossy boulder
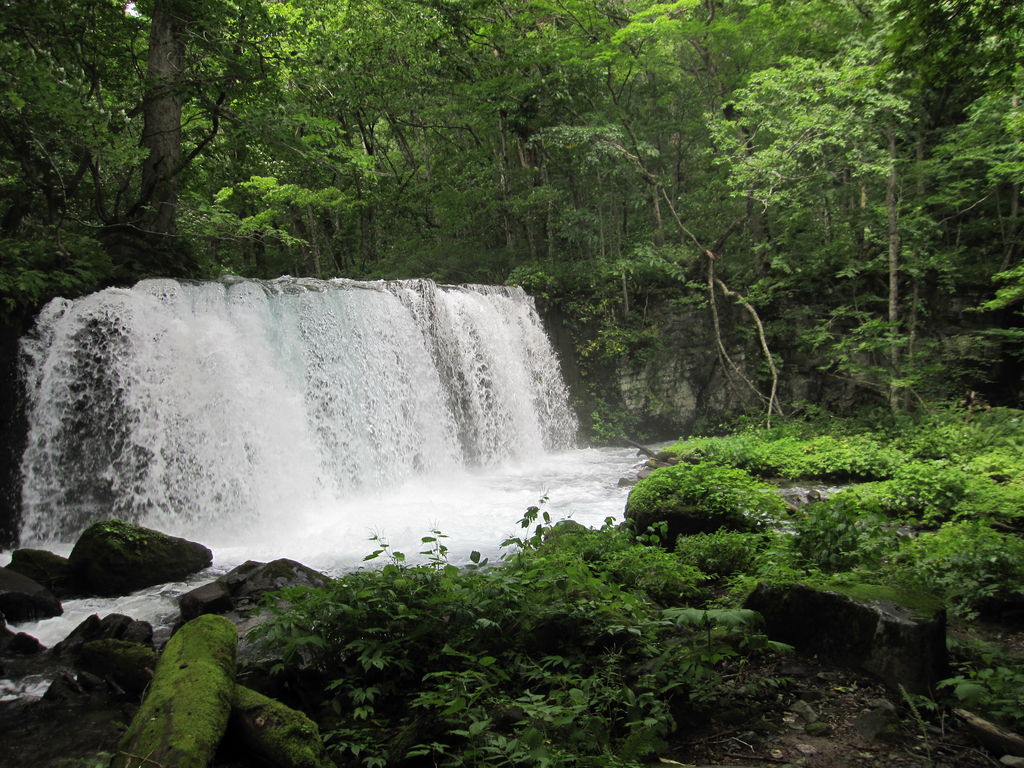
{"points": [[128, 665], [46, 568], [184, 715], [898, 637], [273, 733], [700, 498], [114, 558]]}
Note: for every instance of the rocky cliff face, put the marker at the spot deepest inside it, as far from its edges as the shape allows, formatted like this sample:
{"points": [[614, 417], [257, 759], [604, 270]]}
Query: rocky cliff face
{"points": [[681, 382]]}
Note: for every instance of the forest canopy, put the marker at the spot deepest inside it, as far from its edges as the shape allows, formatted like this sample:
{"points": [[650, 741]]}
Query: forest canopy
{"points": [[851, 168]]}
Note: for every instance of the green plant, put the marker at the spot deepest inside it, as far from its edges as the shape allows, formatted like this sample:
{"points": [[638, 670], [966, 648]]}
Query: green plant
{"points": [[561, 655], [701, 498], [974, 567], [838, 534], [989, 681], [722, 553]]}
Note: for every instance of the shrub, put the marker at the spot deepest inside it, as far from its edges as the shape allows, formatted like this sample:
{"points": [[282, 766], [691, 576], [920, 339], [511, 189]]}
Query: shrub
{"points": [[545, 660], [722, 553], [701, 498], [975, 568], [989, 681], [839, 534]]}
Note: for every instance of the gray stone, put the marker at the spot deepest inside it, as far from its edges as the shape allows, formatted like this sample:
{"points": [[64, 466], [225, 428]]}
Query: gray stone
{"points": [[1013, 761], [806, 712], [901, 642], [214, 597], [878, 724]]}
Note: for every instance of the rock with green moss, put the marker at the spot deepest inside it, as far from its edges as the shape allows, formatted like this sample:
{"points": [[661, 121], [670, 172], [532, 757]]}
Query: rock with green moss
{"points": [[184, 715], [274, 734], [114, 558], [128, 665], [896, 636], [686, 499]]}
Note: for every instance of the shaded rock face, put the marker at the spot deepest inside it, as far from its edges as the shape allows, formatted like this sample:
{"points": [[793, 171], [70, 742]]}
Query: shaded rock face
{"points": [[243, 586], [115, 558], [114, 626], [50, 570], [22, 599], [881, 635]]}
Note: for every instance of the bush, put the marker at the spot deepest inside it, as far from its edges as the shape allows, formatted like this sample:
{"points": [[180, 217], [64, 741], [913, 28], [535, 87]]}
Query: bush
{"points": [[701, 498], [989, 681], [545, 660], [975, 568], [720, 554], [839, 534], [767, 454]]}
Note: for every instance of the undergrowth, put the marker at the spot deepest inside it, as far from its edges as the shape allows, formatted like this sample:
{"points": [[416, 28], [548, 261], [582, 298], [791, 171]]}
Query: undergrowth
{"points": [[584, 647]]}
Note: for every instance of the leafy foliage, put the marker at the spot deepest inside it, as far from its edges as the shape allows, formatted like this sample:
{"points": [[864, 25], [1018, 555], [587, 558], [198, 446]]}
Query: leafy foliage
{"points": [[702, 498], [558, 657]]}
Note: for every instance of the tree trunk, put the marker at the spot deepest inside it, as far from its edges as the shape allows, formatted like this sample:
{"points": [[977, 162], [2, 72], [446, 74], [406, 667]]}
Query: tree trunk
{"points": [[891, 202], [162, 104]]}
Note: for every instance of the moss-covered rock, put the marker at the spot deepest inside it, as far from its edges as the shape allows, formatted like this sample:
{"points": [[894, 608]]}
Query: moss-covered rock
{"points": [[114, 558], [700, 498], [129, 665], [185, 713], [273, 733], [46, 568], [898, 637]]}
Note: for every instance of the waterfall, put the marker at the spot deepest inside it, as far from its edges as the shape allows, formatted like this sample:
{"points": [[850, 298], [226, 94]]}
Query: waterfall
{"points": [[182, 405]]}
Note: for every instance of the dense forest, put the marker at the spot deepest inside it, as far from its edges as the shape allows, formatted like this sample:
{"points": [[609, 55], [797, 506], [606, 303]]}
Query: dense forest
{"points": [[847, 171]]}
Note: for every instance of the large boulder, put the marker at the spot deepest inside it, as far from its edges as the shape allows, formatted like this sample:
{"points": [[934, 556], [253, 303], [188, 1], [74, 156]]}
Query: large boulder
{"points": [[114, 558], [273, 733], [898, 637], [50, 570], [22, 599], [243, 586], [184, 715]]}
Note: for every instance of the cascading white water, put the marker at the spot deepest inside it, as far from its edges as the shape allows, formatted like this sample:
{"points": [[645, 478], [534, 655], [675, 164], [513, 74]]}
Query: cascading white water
{"points": [[198, 407]]}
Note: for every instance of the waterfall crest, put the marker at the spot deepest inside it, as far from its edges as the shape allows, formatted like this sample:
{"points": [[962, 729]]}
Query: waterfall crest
{"points": [[179, 404]]}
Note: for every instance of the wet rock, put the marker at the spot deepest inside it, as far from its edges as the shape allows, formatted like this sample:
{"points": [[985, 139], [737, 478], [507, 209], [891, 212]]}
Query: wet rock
{"points": [[897, 638], [23, 599], [129, 666], [23, 644], [1012, 761], [214, 597], [114, 626], [114, 558], [243, 586], [46, 568]]}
